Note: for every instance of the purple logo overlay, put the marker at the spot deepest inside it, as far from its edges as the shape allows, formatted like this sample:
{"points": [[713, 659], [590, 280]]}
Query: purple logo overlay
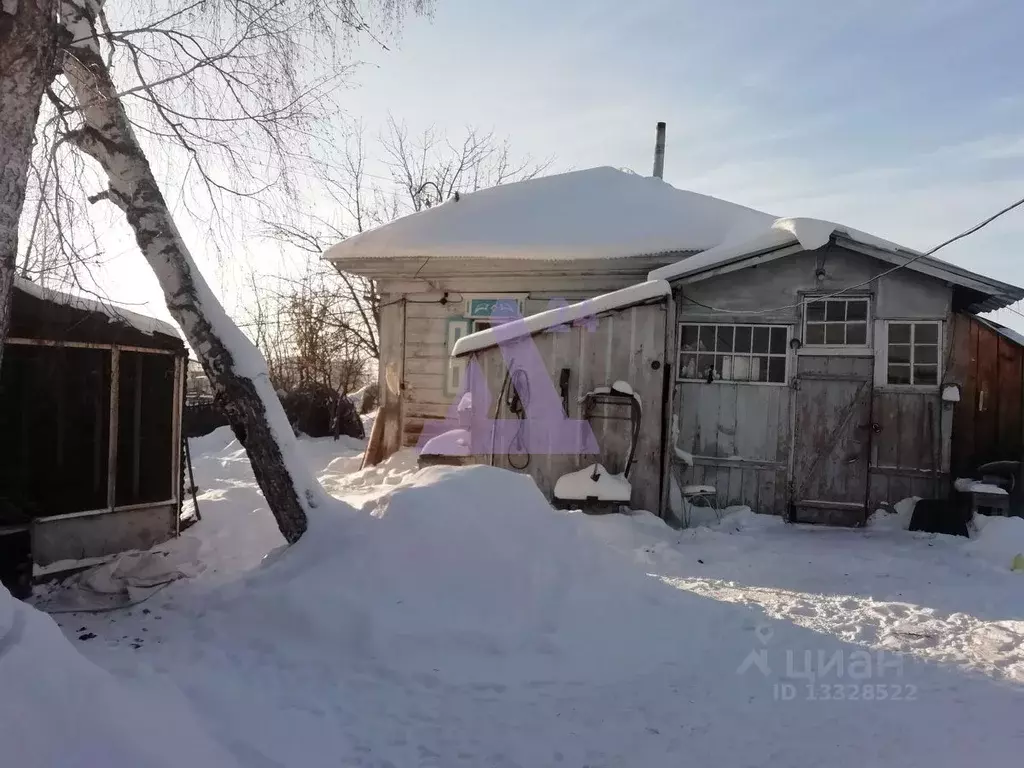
{"points": [[539, 422]]}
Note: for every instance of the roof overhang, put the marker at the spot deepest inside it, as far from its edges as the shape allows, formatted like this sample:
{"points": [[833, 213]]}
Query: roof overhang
{"points": [[979, 294], [397, 267], [990, 295]]}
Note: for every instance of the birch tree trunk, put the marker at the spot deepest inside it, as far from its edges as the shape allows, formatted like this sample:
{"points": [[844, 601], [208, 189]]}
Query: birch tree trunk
{"points": [[27, 44], [235, 367]]}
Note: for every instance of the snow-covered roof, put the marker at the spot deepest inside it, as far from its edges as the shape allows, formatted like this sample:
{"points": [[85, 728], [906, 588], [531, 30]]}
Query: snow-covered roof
{"points": [[597, 213], [144, 323], [526, 326], [811, 234]]}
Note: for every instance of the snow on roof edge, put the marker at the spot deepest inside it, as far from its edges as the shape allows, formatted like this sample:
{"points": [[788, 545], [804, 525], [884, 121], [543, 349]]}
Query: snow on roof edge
{"points": [[142, 323], [810, 234], [593, 213], [527, 326]]}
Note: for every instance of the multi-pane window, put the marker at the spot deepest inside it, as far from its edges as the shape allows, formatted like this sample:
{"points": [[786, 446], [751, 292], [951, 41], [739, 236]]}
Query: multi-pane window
{"points": [[836, 322], [912, 354], [733, 352]]}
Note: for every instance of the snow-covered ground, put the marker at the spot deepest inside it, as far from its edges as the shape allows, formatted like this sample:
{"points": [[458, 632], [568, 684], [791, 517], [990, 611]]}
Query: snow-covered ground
{"points": [[453, 618]]}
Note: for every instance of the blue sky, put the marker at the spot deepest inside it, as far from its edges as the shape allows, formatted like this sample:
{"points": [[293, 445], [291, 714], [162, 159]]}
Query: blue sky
{"points": [[901, 117]]}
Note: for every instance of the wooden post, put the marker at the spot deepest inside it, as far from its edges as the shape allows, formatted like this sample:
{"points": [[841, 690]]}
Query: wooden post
{"points": [[177, 407], [137, 430], [115, 387]]}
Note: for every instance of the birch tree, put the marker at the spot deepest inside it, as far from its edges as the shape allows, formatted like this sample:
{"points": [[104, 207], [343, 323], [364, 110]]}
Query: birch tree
{"points": [[27, 54], [230, 83]]}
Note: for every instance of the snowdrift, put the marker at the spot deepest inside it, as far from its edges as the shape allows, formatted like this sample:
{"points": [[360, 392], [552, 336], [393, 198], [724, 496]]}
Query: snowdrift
{"points": [[61, 711], [469, 568]]}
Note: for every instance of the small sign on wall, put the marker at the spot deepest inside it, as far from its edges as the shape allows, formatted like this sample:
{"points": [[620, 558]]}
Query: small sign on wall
{"points": [[504, 309]]}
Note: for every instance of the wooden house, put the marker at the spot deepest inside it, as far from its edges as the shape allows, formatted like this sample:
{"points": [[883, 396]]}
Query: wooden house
{"points": [[797, 366], [512, 250], [90, 413]]}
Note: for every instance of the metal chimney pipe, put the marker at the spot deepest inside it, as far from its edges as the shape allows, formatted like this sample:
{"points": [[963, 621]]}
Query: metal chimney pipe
{"points": [[659, 152]]}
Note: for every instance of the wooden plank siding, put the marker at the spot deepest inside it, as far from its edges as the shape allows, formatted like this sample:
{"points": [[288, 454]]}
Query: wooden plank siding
{"points": [[742, 435], [988, 424], [738, 435], [626, 345]]}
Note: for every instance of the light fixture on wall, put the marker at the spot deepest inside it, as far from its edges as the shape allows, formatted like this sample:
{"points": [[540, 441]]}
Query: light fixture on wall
{"points": [[795, 343]]}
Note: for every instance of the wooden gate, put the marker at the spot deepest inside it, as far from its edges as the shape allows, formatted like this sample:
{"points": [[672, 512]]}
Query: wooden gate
{"points": [[832, 440]]}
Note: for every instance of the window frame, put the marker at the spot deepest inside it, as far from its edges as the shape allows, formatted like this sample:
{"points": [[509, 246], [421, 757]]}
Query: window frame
{"points": [[785, 355], [882, 379], [808, 348], [455, 329]]}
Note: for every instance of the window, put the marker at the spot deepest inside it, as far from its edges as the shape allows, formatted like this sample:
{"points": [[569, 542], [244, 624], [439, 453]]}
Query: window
{"points": [[912, 354], [836, 322], [457, 328], [754, 353]]}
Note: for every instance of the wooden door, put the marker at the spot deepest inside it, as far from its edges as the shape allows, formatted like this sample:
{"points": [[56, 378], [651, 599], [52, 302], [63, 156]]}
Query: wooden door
{"points": [[832, 440]]}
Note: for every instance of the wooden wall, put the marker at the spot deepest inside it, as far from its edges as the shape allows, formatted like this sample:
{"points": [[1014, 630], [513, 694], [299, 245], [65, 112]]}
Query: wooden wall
{"points": [[624, 345], [988, 424], [415, 317], [741, 435]]}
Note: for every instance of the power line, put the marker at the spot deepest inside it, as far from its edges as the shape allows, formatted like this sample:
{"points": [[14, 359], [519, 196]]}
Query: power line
{"points": [[940, 246]]}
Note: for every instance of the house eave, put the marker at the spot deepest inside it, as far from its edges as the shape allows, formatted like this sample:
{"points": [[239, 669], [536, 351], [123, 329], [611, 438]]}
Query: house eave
{"points": [[994, 294], [433, 266]]}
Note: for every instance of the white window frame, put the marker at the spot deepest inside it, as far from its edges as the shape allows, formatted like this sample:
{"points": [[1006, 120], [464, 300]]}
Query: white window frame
{"points": [[465, 324], [837, 349], [456, 328], [785, 355], [882, 359]]}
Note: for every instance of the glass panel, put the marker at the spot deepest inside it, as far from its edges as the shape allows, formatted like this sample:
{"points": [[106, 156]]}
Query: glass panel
{"points": [[835, 310], [777, 369], [926, 374], [707, 338], [835, 333], [815, 334], [688, 366], [761, 338], [926, 333], [688, 338], [926, 353], [724, 338], [899, 353], [704, 362], [778, 345], [899, 374], [857, 333], [857, 310], [720, 363], [759, 369], [815, 310], [899, 333], [743, 338], [741, 368]]}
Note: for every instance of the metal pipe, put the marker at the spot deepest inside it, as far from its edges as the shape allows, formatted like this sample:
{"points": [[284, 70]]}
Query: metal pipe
{"points": [[659, 151]]}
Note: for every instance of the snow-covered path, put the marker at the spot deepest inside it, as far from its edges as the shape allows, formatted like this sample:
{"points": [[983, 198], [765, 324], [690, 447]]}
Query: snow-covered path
{"points": [[457, 620]]}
